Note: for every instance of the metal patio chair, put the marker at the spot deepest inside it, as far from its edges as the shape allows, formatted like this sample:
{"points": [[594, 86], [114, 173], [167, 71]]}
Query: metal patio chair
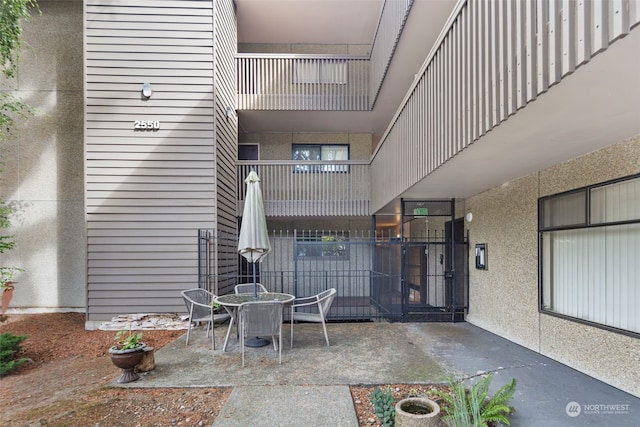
{"points": [[200, 307], [321, 303], [247, 288], [263, 319]]}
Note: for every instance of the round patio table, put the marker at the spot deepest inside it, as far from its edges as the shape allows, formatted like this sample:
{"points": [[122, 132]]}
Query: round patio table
{"points": [[231, 302]]}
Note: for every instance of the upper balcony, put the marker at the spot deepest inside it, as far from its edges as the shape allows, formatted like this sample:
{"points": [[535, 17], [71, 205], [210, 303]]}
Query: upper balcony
{"points": [[323, 188], [302, 82]]}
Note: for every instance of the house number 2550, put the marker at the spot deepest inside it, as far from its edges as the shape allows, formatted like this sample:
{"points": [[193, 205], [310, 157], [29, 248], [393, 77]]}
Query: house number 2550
{"points": [[146, 125]]}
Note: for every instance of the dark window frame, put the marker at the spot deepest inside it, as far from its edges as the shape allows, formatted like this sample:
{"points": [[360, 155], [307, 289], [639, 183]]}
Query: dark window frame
{"points": [[588, 223]]}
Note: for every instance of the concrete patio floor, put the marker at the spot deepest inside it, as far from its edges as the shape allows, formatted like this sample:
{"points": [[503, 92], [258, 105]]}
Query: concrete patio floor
{"points": [[312, 376]]}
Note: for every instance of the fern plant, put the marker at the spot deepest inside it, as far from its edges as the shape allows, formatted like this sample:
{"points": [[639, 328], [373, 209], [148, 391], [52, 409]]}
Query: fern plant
{"points": [[474, 407], [384, 406], [9, 347]]}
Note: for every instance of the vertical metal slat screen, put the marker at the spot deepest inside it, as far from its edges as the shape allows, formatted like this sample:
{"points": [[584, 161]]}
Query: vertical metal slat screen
{"points": [[476, 71]]}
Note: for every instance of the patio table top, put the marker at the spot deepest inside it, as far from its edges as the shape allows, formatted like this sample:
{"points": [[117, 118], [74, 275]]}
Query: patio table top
{"points": [[237, 299]]}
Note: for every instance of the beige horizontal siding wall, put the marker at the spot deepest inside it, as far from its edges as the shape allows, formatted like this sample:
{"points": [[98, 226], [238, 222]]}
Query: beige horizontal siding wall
{"points": [[492, 58], [225, 34], [147, 191]]}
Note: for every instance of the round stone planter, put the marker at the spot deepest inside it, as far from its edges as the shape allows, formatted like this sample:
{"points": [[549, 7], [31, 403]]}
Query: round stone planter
{"points": [[7, 294], [127, 361], [417, 412]]}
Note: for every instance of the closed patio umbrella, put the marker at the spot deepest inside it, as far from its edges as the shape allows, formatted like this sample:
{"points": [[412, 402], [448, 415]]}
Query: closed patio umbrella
{"points": [[253, 243]]}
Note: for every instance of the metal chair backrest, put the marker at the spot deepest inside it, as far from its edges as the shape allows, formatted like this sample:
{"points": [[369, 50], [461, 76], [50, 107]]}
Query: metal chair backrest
{"points": [[325, 299], [258, 318], [198, 302]]}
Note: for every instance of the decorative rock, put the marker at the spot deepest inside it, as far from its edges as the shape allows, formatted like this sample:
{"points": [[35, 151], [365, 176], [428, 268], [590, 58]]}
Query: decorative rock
{"points": [[146, 322]]}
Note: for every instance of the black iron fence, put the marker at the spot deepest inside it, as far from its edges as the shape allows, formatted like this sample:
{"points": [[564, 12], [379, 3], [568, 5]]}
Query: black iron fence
{"points": [[375, 276]]}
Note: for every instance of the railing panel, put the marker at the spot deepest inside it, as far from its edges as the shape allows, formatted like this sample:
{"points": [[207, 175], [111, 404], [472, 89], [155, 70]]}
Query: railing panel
{"points": [[392, 20], [293, 188], [302, 82], [515, 51]]}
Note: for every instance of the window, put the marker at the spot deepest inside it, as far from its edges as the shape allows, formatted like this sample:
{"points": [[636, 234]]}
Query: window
{"points": [[317, 152], [248, 152], [332, 71], [315, 246], [590, 247]]}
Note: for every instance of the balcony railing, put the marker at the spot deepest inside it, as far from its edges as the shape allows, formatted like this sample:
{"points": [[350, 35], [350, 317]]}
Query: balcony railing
{"points": [[302, 82], [392, 20], [492, 58], [323, 188]]}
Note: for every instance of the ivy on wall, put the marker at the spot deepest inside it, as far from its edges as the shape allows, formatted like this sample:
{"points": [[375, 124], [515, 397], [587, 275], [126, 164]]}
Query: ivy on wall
{"points": [[13, 14]]}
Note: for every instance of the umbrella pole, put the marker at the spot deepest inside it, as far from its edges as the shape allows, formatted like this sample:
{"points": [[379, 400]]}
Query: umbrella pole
{"points": [[255, 282]]}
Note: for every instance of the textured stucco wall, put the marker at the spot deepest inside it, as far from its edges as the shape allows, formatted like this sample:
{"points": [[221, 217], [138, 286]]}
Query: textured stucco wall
{"points": [[504, 299], [43, 164]]}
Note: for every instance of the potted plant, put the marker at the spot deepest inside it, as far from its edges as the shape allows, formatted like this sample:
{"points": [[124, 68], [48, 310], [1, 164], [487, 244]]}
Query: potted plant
{"points": [[126, 353], [7, 285], [474, 406]]}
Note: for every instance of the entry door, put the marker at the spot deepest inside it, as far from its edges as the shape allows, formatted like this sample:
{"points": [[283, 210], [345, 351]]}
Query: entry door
{"points": [[456, 267], [424, 277]]}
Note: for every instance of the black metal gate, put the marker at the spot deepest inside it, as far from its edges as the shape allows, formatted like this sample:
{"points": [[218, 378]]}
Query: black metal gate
{"points": [[422, 273]]}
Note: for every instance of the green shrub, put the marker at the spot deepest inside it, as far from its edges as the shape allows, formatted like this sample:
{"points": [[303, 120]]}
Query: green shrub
{"points": [[384, 406], [474, 407], [9, 347]]}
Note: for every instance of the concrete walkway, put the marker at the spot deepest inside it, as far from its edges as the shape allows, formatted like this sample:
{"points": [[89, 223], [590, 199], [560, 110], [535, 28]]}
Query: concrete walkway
{"points": [[311, 386]]}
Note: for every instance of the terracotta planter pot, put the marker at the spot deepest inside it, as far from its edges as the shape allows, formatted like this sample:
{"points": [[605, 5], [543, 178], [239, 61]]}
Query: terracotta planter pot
{"points": [[7, 294], [417, 412], [127, 361]]}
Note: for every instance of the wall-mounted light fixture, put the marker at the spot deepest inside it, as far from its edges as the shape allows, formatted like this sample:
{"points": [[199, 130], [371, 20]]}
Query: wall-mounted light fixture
{"points": [[469, 217], [231, 114], [146, 90]]}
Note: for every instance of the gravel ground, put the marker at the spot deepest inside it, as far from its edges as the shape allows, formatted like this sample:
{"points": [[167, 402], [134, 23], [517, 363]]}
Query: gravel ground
{"points": [[66, 382]]}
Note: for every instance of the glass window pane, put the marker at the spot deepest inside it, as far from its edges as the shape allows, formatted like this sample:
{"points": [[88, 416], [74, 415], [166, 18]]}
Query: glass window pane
{"points": [[322, 246], [335, 152], [564, 210], [248, 152], [616, 202], [305, 152], [591, 274]]}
